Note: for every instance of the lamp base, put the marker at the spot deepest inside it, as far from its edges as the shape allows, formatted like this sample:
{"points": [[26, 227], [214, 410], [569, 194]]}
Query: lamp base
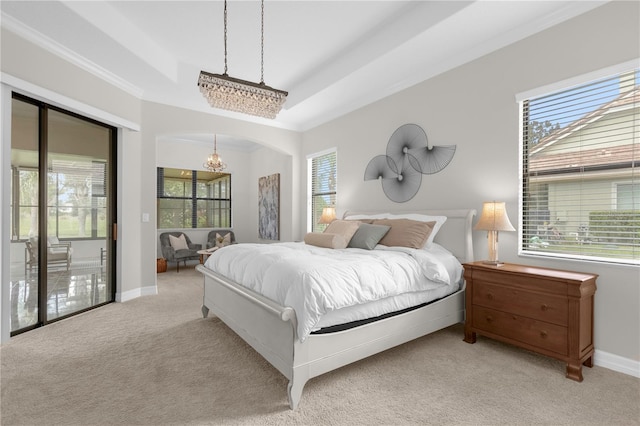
{"points": [[492, 238]]}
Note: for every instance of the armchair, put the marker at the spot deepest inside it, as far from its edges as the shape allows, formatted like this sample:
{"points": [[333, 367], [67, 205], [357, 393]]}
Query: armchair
{"points": [[211, 238], [179, 255], [58, 253]]}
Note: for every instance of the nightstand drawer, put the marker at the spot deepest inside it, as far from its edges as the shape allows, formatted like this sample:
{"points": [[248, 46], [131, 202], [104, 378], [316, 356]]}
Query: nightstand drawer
{"points": [[536, 333], [544, 307]]}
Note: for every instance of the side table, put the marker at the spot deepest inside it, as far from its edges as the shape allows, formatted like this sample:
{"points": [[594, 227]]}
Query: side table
{"points": [[204, 254]]}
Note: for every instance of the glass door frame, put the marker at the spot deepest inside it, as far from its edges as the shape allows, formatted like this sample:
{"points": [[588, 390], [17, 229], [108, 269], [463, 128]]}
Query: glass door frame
{"points": [[111, 196]]}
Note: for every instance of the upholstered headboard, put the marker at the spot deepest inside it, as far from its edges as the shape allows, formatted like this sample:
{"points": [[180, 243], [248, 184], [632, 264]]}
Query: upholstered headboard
{"points": [[455, 235]]}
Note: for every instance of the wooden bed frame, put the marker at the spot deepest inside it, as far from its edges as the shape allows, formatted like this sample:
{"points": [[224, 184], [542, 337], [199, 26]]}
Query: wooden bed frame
{"points": [[271, 328]]}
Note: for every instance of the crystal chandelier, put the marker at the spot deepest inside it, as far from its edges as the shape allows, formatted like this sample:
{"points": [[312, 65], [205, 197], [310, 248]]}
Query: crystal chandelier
{"points": [[214, 162], [233, 94]]}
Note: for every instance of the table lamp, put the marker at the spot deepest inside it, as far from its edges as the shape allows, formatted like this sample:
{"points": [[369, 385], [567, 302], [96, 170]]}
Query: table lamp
{"points": [[493, 219], [328, 215]]}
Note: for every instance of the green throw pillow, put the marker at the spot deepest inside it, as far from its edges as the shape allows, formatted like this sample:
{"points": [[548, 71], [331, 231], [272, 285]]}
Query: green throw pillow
{"points": [[367, 236]]}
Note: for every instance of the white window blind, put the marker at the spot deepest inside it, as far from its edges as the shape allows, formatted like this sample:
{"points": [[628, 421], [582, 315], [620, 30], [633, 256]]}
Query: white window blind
{"points": [[580, 182], [323, 186]]}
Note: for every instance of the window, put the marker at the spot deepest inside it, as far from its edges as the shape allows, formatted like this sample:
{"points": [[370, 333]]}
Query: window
{"points": [[77, 206], [24, 211], [76, 178], [580, 175], [627, 196], [193, 199], [323, 176]]}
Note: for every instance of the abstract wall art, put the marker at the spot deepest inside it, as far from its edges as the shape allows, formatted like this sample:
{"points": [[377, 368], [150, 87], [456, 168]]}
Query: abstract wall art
{"points": [[269, 207], [408, 157]]}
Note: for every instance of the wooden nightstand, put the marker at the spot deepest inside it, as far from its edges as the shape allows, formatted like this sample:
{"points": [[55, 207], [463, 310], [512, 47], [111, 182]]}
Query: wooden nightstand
{"points": [[547, 311]]}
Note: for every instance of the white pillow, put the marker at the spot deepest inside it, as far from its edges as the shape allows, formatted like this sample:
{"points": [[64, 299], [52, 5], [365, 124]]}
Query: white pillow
{"points": [[223, 241], [178, 243], [439, 220]]}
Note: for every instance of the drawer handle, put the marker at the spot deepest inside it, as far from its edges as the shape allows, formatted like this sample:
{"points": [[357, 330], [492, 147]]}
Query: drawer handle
{"points": [[489, 318], [543, 334], [490, 296], [544, 307]]}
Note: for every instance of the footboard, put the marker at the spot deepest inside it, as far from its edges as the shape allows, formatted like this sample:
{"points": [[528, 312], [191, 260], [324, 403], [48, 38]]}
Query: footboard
{"points": [[271, 330], [268, 327], [321, 353]]}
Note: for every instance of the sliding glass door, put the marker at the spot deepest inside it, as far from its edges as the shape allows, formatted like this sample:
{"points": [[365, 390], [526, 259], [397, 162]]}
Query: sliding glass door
{"points": [[62, 214]]}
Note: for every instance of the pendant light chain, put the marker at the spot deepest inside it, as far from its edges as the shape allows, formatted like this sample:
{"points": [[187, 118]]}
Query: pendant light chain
{"points": [[234, 94], [262, 47], [225, 37], [261, 41]]}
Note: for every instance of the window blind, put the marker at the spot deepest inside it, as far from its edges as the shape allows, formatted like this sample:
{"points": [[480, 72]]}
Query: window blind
{"points": [[323, 186], [580, 183]]}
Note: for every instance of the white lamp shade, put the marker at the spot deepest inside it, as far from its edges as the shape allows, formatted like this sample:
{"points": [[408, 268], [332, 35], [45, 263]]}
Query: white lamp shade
{"points": [[494, 218]]}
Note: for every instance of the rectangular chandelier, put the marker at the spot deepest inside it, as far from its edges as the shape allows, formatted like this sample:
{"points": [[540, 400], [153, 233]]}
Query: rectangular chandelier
{"points": [[233, 94]]}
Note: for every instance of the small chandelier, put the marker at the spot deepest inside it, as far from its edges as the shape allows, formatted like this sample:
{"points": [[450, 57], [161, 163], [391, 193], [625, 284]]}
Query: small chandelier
{"points": [[214, 162], [233, 94]]}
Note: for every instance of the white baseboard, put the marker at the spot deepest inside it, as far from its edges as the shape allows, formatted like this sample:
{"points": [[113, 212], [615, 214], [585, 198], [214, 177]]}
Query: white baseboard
{"points": [[617, 363], [132, 294]]}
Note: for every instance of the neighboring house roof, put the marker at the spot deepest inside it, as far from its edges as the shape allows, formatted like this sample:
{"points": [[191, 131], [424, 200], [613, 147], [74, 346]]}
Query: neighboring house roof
{"points": [[614, 157], [621, 156]]}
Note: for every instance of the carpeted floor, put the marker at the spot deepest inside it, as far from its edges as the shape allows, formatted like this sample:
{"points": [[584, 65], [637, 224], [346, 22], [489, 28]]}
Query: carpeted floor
{"points": [[155, 361]]}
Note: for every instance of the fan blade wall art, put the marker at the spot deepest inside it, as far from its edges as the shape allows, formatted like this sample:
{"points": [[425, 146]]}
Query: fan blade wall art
{"points": [[408, 157]]}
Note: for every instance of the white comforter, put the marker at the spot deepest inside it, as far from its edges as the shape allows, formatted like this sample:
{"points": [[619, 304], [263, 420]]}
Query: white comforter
{"points": [[315, 281]]}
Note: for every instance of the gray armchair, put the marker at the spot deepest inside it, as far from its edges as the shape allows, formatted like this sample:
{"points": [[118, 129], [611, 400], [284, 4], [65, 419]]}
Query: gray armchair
{"points": [[211, 238], [182, 255]]}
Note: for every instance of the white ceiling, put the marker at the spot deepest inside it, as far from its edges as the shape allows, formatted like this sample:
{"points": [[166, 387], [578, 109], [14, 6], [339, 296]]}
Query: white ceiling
{"points": [[331, 56]]}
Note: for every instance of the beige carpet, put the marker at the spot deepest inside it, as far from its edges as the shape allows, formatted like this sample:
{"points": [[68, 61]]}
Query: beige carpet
{"points": [[156, 361]]}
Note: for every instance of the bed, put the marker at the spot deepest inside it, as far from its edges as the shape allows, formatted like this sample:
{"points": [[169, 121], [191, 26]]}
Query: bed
{"points": [[273, 330]]}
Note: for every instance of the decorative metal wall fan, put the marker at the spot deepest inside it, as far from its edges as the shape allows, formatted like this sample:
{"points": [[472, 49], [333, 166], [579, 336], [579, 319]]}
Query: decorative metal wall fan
{"points": [[408, 157]]}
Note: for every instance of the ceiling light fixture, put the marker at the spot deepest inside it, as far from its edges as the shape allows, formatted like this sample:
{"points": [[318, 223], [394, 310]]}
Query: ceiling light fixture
{"points": [[214, 162], [233, 94]]}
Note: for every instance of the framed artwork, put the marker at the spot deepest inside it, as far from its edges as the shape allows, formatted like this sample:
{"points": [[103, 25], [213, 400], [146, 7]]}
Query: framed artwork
{"points": [[269, 207]]}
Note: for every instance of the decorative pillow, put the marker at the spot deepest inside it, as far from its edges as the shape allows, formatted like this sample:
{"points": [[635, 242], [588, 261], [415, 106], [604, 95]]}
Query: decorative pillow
{"points": [[52, 240], [406, 232], [439, 220], [178, 243], [346, 228], [368, 235], [223, 241], [325, 239]]}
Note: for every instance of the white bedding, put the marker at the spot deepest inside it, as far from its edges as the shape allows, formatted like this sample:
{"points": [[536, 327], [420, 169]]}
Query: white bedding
{"points": [[320, 284]]}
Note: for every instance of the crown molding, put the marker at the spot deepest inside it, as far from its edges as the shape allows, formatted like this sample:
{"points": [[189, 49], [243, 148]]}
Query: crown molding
{"points": [[40, 40]]}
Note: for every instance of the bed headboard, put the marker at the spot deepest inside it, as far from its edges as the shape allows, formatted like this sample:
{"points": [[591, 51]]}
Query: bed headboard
{"points": [[455, 235]]}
